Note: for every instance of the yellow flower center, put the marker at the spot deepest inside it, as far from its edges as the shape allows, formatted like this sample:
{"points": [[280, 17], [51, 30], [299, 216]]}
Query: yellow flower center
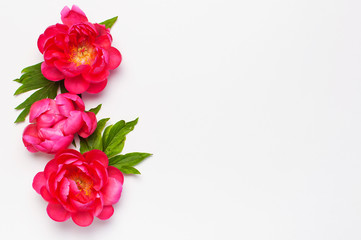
{"points": [[82, 55], [83, 185]]}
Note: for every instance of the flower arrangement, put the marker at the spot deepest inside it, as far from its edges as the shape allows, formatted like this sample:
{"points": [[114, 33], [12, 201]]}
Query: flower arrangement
{"points": [[78, 56]]}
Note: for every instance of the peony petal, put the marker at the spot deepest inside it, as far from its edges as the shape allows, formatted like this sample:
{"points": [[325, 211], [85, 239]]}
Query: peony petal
{"points": [[47, 196], [96, 155], [64, 189], [104, 39], [82, 219], [50, 133], [96, 77], [62, 143], [39, 181], [31, 148], [52, 54], [98, 206], [68, 102], [76, 84], [97, 87], [41, 42], [51, 73], [106, 213], [51, 167], [57, 212], [112, 191], [66, 154], [115, 173], [31, 137], [70, 69], [74, 190], [99, 175], [64, 104], [115, 58], [89, 124], [48, 120], [73, 16], [73, 123], [56, 29], [38, 108], [80, 206], [55, 145]]}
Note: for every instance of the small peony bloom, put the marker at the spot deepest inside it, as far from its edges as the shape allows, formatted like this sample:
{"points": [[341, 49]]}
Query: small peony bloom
{"points": [[79, 52], [79, 186], [54, 123]]}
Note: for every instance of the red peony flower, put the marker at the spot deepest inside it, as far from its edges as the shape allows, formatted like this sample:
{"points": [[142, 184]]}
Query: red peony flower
{"points": [[79, 52], [54, 123], [79, 186]]}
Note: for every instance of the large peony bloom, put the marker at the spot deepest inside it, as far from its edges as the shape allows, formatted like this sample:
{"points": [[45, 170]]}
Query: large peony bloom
{"points": [[54, 123], [79, 52], [79, 186]]}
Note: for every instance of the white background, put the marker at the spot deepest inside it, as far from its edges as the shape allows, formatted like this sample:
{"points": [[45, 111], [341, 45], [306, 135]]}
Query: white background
{"points": [[252, 110]]}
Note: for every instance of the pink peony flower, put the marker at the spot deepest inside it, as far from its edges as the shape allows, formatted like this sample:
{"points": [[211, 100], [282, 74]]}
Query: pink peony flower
{"points": [[79, 52], [54, 123], [79, 186]]}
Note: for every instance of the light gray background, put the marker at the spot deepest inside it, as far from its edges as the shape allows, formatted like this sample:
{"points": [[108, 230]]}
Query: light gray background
{"points": [[251, 108]]}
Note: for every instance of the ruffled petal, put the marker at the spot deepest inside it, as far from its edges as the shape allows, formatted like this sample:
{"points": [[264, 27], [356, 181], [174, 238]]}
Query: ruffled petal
{"points": [[39, 181], [73, 16], [96, 155], [68, 102], [48, 120], [62, 143], [64, 189], [115, 173], [51, 73], [82, 219], [106, 213], [50, 133], [76, 84], [97, 87], [115, 58], [38, 108], [41, 42], [66, 154], [89, 124], [99, 175], [51, 167], [104, 38], [46, 195], [70, 69], [98, 206], [31, 138], [112, 191], [96, 78], [57, 212], [73, 123]]}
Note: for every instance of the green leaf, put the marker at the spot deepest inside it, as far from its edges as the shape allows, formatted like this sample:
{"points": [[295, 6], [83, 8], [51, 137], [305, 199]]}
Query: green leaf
{"points": [[114, 144], [33, 79], [84, 147], [112, 132], [129, 170], [129, 159], [110, 22], [31, 68], [94, 141], [96, 109], [22, 115], [106, 134]]}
